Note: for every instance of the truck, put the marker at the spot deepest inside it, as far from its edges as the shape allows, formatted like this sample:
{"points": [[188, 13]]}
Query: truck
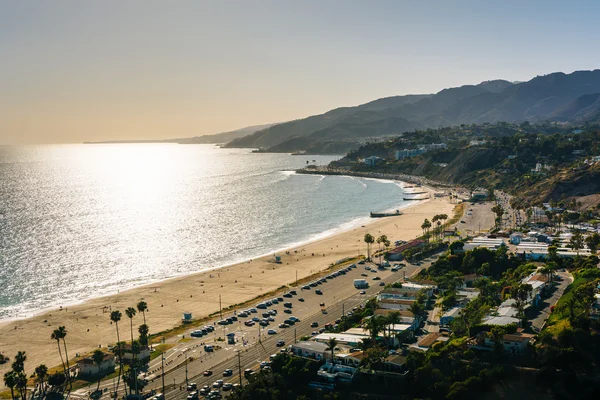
{"points": [[361, 283]]}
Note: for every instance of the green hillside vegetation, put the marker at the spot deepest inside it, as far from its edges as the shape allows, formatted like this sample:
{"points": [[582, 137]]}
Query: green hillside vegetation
{"points": [[503, 159]]}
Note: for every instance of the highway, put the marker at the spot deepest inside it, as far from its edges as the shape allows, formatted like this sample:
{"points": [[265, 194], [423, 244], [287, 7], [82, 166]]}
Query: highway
{"points": [[338, 294]]}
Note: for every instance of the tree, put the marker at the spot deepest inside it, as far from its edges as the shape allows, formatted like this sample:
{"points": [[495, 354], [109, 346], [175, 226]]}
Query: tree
{"points": [[57, 335], [393, 318], [130, 312], [426, 225], [41, 373], [374, 326], [577, 241], [331, 344], [21, 384], [98, 358], [142, 307], [18, 364], [115, 317], [521, 295], [497, 334], [10, 381], [499, 211], [369, 239], [143, 331], [593, 241]]}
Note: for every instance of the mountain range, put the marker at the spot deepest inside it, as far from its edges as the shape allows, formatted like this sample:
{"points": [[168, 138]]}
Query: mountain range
{"points": [[558, 97]]}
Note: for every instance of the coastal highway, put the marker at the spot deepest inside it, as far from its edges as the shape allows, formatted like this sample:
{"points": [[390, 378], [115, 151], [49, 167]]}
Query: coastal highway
{"points": [[338, 294]]}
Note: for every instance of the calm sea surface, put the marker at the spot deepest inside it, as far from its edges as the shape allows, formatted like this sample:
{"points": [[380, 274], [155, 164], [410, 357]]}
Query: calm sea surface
{"points": [[79, 221]]}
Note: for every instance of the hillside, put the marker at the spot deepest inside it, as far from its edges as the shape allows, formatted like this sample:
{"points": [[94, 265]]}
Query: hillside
{"points": [[557, 96], [505, 157]]}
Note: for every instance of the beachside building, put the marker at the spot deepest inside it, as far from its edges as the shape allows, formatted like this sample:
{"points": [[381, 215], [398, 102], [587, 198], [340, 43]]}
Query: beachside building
{"points": [[142, 354], [348, 339], [396, 253], [87, 367], [311, 349]]}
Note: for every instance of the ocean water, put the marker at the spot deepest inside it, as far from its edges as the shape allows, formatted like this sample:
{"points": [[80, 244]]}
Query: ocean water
{"points": [[80, 221]]}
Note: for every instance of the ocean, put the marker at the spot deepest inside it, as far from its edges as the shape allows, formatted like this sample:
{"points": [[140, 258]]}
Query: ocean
{"points": [[81, 221]]}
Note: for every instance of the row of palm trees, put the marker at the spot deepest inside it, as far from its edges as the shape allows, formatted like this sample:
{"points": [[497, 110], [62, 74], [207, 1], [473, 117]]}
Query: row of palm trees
{"points": [[437, 224], [381, 240], [59, 382], [143, 330]]}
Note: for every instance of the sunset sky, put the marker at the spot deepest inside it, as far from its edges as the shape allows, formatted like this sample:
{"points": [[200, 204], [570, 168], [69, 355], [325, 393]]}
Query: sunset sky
{"points": [[74, 71]]}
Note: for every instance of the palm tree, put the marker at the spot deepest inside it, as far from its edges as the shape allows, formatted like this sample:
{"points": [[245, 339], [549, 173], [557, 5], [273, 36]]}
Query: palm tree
{"points": [[143, 331], [331, 343], [18, 364], [21, 384], [56, 335], [115, 317], [374, 325], [10, 381], [41, 373], [393, 318], [142, 307], [98, 357], [369, 239], [130, 312], [63, 335]]}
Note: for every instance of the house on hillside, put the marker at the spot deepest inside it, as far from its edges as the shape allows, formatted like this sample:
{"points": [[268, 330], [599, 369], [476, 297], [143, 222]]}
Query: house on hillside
{"points": [[512, 343], [372, 161]]}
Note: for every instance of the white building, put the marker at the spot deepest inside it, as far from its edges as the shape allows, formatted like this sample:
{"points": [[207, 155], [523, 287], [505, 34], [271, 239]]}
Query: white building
{"points": [[87, 366]]}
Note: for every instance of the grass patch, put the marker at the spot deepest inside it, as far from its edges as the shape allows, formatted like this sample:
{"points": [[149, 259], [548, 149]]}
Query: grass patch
{"points": [[559, 318]]}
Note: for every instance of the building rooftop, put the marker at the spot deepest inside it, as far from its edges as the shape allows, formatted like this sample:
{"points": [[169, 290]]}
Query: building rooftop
{"points": [[340, 337], [311, 345], [429, 339]]}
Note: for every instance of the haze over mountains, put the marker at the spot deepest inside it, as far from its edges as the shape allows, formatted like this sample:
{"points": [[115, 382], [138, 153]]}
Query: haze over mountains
{"points": [[222, 137], [562, 97]]}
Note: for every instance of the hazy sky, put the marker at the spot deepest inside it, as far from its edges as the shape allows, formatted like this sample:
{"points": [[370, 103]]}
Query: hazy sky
{"points": [[77, 70]]}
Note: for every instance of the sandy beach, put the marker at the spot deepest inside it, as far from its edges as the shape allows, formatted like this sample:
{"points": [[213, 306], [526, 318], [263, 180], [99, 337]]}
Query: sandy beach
{"points": [[89, 325]]}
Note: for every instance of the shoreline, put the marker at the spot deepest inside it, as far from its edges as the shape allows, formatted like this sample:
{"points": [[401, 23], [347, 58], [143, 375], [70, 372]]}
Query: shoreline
{"points": [[89, 325], [313, 238]]}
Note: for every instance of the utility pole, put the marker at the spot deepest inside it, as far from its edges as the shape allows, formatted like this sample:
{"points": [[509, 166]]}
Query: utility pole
{"points": [[296, 278], [220, 308], [295, 341], [259, 341], [163, 373], [240, 366], [343, 309], [186, 369]]}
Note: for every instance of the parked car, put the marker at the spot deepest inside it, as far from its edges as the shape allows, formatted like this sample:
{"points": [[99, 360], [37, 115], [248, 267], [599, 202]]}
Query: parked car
{"points": [[318, 291], [301, 299], [287, 311], [314, 324]]}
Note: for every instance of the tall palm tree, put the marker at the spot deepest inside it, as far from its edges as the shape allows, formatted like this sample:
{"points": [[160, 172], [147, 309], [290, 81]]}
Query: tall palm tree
{"points": [[18, 364], [393, 318], [375, 325], [130, 312], [331, 344], [98, 358], [21, 384], [56, 335], [63, 335], [41, 373], [142, 307], [143, 331], [10, 381], [115, 317], [369, 239]]}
